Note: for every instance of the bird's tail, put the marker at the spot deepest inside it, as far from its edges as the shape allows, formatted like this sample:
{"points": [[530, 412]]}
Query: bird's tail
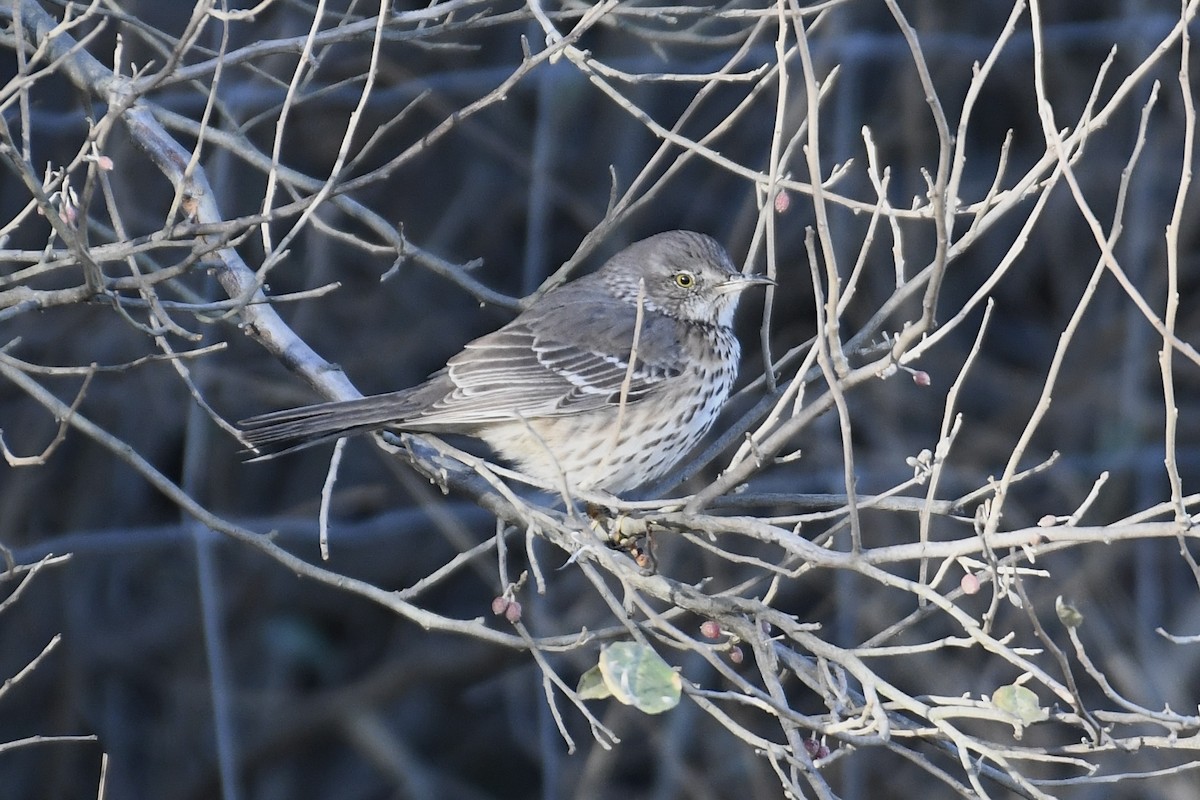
{"points": [[281, 432]]}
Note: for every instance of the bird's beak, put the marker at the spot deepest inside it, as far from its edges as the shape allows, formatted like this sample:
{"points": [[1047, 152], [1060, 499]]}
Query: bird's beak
{"points": [[739, 282]]}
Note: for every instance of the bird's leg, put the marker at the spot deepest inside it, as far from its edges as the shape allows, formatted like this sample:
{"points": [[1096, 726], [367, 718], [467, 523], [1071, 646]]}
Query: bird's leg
{"points": [[623, 532]]}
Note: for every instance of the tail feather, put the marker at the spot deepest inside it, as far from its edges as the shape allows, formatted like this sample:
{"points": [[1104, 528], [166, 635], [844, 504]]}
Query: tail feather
{"points": [[279, 432]]}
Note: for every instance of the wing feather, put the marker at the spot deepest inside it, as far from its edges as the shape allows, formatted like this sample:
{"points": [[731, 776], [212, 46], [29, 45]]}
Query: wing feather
{"points": [[564, 359]]}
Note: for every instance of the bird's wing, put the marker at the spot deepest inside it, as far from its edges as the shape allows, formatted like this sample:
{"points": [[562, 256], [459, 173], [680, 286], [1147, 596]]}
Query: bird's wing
{"points": [[566, 355]]}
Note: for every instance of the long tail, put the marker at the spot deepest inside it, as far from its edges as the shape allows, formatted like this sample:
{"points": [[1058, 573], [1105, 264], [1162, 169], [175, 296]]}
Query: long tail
{"points": [[282, 432]]}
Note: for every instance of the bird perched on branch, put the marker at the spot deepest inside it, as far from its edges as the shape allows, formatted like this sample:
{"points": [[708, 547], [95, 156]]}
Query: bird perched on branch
{"points": [[606, 381]]}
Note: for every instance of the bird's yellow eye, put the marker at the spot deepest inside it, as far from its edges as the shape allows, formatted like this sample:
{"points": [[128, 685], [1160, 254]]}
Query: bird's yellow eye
{"points": [[685, 280]]}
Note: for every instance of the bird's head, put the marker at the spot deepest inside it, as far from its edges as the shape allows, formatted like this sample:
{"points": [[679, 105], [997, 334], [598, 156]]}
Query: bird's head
{"points": [[683, 274]]}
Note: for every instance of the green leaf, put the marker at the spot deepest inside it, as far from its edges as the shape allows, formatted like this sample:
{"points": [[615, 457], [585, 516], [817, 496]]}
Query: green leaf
{"points": [[1068, 614], [637, 676], [1021, 703], [591, 685]]}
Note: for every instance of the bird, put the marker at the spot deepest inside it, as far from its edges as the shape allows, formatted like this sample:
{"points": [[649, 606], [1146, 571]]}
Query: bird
{"points": [[605, 382]]}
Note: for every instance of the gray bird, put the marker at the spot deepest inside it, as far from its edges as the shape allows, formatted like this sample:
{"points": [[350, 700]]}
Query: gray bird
{"points": [[553, 391]]}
